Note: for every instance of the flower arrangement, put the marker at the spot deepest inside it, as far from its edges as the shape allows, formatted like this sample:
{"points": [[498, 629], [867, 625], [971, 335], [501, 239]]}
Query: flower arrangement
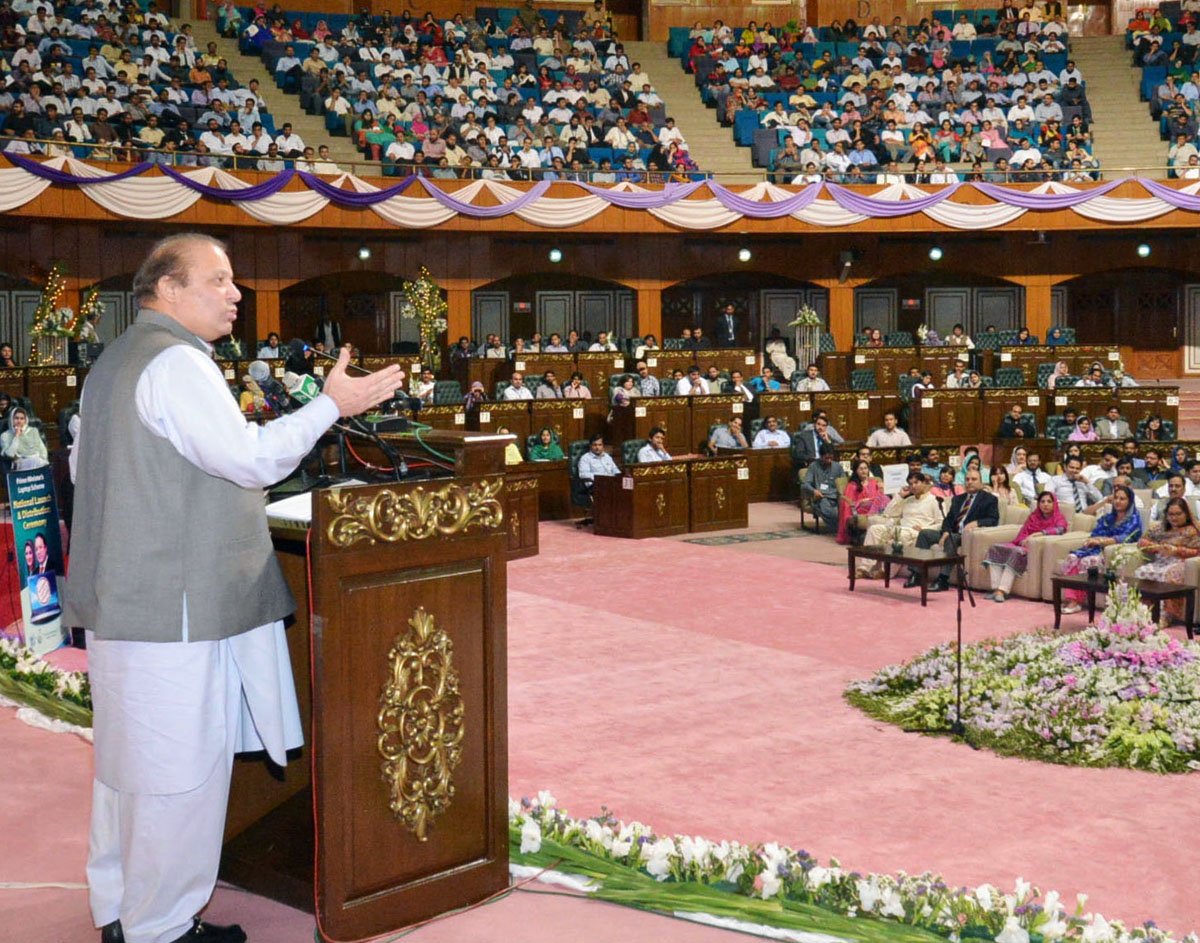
{"points": [[775, 886], [63, 695], [806, 316], [424, 301], [1120, 693]]}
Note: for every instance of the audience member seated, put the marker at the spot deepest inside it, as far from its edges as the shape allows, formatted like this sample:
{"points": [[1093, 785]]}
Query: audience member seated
{"points": [[819, 486], [516, 389], [973, 508], [655, 449], [595, 463], [1001, 485], [1112, 426], [626, 390], [576, 388], [1016, 425], [512, 452], [647, 384], [728, 436], [1167, 546], [943, 487], [1121, 525], [21, 444], [807, 442], [862, 499], [475, 395], [891, 436], [1083, 431], [546, 449], [1072, 491], [1006, 562], [693, 384], [811, 381], [771, 436], [912, 510], [765, 382], [1105, 468], [270, 350], [738, 385]]}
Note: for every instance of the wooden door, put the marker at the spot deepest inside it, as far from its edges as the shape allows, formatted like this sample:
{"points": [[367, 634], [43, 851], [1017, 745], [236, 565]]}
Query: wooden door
{"points": [[1001, 307], [1151, 319], [875, 307], [946, 307], [489, 314], [595, 311]]}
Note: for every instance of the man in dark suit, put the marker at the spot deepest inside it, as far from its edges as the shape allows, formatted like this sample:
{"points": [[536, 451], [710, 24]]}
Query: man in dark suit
{"points": [[806, 444], [1016, 425], [725, 330], [973, 508]]}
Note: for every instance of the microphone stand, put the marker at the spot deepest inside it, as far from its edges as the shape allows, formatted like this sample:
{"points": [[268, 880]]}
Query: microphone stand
{"points": [[957, 727]]}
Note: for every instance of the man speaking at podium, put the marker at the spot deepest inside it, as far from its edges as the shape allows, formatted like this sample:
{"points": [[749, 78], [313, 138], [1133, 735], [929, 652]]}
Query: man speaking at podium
{"points": [[174, 577]]}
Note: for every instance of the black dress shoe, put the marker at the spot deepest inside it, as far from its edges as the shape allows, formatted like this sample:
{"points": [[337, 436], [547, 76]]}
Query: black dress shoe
{"points": [[112, 933], [913, 580], [202, 932], [940, 585]]}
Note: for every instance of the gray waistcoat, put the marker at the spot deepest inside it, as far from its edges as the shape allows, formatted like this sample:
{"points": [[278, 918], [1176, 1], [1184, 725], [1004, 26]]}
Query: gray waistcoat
{"points": [[151, 528]]}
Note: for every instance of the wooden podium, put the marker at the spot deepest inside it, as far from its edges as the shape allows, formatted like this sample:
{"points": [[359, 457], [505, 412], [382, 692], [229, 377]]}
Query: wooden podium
{"points": [[405, 775]]}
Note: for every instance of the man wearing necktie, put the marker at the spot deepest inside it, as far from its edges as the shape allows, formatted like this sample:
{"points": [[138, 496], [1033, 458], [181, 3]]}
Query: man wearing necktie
{"points": [[973, 508], [726, 327], [1072, 490]]}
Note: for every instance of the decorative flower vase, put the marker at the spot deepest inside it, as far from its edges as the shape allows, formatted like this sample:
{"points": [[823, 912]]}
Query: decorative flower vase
{"points": [[807, 346], [51, 351]]}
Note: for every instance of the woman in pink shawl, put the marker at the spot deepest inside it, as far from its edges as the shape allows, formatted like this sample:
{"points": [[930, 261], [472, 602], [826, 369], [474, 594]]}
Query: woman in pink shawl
{"points": [[1005, 562], [863, 495]]}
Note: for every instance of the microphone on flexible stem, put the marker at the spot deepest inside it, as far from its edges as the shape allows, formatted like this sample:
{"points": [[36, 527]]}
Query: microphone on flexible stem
{"points": [[304, 389], [299, 348]]}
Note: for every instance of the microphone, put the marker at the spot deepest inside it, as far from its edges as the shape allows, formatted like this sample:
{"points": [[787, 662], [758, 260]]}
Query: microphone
{"points": [[299, 348], [273, 391], [304, 389]]}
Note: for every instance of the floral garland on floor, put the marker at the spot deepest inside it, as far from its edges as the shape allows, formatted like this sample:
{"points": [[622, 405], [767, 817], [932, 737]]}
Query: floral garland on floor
{"points": [[771, 886], [1120, 693], [27, 679]]}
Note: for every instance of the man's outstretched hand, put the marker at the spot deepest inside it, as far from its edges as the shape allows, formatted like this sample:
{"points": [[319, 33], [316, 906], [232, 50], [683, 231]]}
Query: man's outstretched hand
{"points": [[355, 395]]}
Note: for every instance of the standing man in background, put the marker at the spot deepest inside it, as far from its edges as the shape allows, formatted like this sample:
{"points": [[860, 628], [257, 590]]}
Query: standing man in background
{"points": [[187, 654], [725, 330]]}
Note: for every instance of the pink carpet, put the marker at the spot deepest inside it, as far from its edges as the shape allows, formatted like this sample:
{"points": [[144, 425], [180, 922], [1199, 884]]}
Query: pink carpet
{"points": [[699, 689]]}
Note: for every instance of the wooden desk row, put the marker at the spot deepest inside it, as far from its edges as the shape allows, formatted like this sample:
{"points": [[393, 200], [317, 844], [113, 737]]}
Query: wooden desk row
{"points": [[891, 363], [974, 416], [598, 367], [665, 498]]}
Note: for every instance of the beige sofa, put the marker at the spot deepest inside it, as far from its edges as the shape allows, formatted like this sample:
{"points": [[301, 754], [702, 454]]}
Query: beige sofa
{"points": [[1044, 552]]}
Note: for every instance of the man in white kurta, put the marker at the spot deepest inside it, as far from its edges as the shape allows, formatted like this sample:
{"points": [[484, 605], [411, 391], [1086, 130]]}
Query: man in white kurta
{"points": [[169, 715], [913, 509]]}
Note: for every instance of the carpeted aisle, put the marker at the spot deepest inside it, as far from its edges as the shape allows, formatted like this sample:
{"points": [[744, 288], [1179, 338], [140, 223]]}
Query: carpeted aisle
{"points": [[698, 688]]}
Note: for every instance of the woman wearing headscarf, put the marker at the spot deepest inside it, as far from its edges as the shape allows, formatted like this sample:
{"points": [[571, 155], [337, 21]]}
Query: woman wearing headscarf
{"points": [[1005, 562], [475, 395], [545, 449], [1055, 338], [1167, 546], [971, 459], [1121, 525], [21, 443], [863, 497], [1083, 431], [1180, 459], [1061, 370]]}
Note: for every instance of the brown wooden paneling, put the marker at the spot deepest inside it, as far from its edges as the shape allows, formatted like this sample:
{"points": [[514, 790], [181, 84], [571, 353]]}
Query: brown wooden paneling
{"points": [[997, 403], [643, 501], [947, 414], [521, 506], [718, 494]]}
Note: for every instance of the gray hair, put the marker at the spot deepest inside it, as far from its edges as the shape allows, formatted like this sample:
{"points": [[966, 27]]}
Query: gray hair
{"points": [[167, 259]]}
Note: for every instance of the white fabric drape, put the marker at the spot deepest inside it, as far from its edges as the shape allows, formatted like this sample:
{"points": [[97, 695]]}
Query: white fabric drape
{"points": [[154, 196]]}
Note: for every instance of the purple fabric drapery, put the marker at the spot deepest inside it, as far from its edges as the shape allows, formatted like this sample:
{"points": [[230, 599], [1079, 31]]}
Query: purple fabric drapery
{"points": [[352, 197], [1042, 201], [62, 177], [757, 209], [463, 208], [259, 192], [1181, 201], [652, 200], [848, 200]]}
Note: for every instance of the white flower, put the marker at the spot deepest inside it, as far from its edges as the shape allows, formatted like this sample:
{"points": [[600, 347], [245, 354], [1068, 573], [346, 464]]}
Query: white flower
{"points": [[620, 848], [546, 799], [514, 809], [693, 850], [771, 883], [658, 858], [1098, 931], [1013, 932], [1052, 903], [983, 894], [818, 877], [1022, 889], [1053, 929], [531, 837], [869, 894], [594, 832], [893, 905]]}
